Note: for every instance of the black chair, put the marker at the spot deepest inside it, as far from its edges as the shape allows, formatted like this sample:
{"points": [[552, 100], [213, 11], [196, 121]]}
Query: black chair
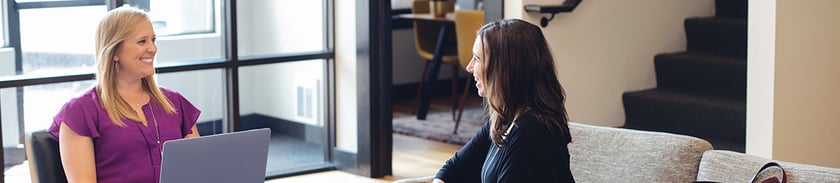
{"points": [[44, 158]]}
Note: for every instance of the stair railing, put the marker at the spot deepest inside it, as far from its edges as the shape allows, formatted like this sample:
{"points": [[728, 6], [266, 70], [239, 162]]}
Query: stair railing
{"points": [[567, 6]]}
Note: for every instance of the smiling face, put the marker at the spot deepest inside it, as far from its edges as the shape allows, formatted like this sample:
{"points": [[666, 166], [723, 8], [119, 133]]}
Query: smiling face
{"points": [[478, 65], [137, 52]]}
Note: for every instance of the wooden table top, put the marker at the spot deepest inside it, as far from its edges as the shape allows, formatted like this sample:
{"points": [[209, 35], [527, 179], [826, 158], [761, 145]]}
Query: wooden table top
{"points": [[428, 17]]}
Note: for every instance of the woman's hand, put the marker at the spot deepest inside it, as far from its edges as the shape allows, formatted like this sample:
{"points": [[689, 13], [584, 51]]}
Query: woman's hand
{"points": [[76, 155], [194, 132], [437, 181]]}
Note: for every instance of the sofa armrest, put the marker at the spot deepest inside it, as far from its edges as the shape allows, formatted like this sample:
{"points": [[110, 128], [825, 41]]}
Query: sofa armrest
{"points": [[728, 166], [428, 179]]}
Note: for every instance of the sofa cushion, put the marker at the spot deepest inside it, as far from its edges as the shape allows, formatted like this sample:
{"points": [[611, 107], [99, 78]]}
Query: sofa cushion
{"points": [[728, 166], [606, 154]]}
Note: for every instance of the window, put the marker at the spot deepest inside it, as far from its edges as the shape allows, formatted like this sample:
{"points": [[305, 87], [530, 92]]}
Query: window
{"points": [[270, 27], [181, 25], [204, 94], [183, 17], [289, 98], [57, 64], [54, 46]]}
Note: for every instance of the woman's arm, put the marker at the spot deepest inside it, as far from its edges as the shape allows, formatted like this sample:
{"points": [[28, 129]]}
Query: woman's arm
{"points": [[194, 132], [465, 165], [76, 155]]}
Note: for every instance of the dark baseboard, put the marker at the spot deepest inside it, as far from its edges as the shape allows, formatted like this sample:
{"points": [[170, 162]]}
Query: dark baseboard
{"points": [[209, 127], [13, 156], [345, 161], [280, 126], [441, 88]]}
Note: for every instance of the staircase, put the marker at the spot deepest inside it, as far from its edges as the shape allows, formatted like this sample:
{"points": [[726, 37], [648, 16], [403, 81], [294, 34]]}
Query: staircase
{"points": [[700, 92]]}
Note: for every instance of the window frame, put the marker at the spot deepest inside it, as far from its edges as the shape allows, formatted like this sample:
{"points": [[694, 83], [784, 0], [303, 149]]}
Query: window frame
{"points": [[230, 63], [3, 25]]}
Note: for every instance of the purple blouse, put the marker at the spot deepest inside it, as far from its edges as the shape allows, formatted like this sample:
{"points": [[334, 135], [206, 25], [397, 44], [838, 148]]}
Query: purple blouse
{"points": [[130, 153]]}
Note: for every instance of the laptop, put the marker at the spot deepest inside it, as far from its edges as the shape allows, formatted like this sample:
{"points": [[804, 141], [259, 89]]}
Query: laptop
{"points": [[228, 157]]}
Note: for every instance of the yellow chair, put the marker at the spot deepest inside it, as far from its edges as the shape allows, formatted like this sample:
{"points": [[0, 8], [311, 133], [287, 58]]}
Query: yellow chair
{"points": [[467, 23], [425, 39]]}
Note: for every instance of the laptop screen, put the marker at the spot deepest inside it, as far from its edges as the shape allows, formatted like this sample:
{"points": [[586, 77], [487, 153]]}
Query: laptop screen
{"points": [[228, 157]]}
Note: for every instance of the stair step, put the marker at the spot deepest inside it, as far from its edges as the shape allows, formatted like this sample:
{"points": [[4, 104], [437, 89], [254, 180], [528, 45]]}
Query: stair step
{"points": [[712, 74], [717, 119], [731, 8], [714, 35]]}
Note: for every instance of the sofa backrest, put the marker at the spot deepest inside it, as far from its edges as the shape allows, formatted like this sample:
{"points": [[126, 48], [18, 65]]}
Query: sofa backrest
{"points": [[606, 154], [728, 166]]}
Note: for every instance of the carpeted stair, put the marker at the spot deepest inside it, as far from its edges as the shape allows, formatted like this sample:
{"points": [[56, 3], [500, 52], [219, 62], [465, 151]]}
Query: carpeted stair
{"points": [[700, 92]]}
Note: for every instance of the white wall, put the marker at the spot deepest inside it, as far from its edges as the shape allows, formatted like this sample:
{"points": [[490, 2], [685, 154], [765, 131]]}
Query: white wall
{"points": [[806, 91], [272, 89], [761, 62], [606, 47], [8, 99], [345, 75]]}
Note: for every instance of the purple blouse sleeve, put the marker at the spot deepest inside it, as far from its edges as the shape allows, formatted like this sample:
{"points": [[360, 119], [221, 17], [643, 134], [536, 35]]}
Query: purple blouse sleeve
{"points": [[189, 113], [79, 115]]}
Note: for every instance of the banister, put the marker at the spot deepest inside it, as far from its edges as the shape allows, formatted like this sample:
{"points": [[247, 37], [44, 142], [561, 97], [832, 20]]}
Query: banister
{"points": [[567, 6]]}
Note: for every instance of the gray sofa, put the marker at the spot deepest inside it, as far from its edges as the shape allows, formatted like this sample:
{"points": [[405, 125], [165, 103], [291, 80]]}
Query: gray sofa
{"points": [[605, 154]]}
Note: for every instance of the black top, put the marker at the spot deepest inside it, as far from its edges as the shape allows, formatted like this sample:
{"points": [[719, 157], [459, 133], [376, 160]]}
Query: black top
{"points": [[532, 153]]}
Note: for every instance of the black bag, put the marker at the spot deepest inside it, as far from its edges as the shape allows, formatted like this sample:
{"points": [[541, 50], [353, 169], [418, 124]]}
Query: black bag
{"points": [[767, 174]]}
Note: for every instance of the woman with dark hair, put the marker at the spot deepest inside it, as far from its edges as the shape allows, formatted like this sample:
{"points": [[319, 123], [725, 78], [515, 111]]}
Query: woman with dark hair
{"points": [[527, 134]]}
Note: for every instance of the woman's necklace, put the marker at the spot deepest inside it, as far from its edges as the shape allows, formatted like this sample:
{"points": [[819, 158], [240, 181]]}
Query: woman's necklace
{"points": [[157, 128]]}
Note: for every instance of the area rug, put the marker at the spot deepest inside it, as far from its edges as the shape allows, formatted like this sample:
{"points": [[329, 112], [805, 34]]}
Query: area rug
{"points": [[438, 125]]}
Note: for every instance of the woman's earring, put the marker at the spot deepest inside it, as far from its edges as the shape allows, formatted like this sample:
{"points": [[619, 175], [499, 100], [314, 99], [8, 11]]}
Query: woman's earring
{"points": [[117, 66]]}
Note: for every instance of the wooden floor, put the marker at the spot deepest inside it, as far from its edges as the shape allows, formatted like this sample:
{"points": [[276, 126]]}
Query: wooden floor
{"points": [[412, 157]]}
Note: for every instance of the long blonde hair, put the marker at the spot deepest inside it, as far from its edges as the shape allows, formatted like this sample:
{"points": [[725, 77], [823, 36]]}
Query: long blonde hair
{"points": [[117, 25]]}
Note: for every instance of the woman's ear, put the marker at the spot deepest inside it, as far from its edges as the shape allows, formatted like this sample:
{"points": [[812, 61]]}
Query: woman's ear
{"points": [[116, 58]]}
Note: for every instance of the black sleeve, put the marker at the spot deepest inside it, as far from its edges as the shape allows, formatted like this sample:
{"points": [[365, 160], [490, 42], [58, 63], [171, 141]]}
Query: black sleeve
{"points": [[466, 165], [535, 154]]}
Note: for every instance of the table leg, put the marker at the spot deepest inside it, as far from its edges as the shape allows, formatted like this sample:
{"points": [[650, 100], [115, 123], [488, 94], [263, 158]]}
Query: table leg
{"points": [[423, 108]]}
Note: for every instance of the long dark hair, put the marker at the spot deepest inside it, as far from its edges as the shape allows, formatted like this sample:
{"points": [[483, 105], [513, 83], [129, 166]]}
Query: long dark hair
{"points": [[520, 77]]}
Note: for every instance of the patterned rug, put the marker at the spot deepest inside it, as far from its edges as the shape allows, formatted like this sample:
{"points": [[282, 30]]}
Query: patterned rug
{"points": [[439, 124]]}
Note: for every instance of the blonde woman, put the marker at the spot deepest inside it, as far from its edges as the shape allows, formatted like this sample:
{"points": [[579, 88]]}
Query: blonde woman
{"points": [[114, 132]]}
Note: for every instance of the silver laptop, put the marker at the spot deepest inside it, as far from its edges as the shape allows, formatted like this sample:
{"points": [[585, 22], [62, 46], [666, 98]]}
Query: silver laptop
{"points": [[228, 157]]}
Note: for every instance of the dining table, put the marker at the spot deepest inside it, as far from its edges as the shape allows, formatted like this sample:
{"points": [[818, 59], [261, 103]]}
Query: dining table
{"points": [[447, 22]]}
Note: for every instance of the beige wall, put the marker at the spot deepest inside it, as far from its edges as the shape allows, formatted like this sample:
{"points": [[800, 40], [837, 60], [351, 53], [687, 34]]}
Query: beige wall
{"points": [[807, 82], [606, 47]]}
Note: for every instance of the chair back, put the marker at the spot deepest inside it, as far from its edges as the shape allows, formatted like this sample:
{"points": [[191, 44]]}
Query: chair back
{"points": [[426, 33], [467, 22], [44, 158]]}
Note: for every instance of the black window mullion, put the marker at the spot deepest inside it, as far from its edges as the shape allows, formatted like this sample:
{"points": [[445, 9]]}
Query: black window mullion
{"points": [[13, 17], [232, 73], [327, 117]]}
